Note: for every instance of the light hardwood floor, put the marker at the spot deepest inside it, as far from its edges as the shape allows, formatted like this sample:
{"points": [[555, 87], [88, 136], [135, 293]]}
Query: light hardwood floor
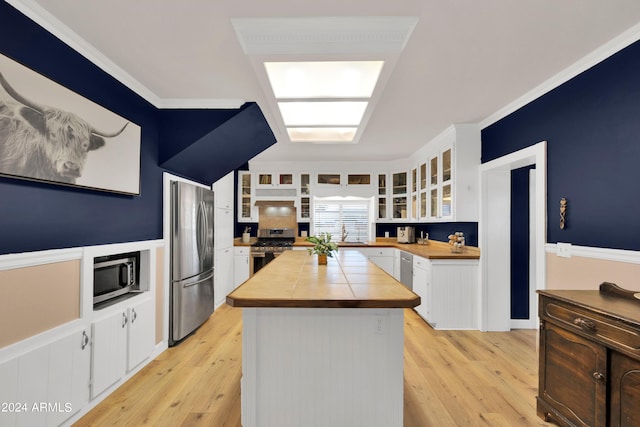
{"points": [[452, 378]]}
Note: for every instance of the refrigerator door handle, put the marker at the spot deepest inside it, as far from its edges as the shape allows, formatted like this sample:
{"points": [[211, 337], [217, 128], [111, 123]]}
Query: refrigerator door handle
{"points": [[205, 231], [200, 230], [199, 281]]}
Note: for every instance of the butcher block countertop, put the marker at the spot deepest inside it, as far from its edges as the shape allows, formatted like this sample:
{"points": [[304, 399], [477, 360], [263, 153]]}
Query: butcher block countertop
{"points": [[433, 250], [349, 280]]}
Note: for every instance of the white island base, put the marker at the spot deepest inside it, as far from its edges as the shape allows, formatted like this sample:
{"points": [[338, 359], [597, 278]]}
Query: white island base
{"points": [[338, 367]]}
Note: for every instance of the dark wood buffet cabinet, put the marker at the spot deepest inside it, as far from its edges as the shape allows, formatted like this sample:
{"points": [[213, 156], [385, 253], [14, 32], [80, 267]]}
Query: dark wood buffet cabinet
{"points": [[589, 373]]}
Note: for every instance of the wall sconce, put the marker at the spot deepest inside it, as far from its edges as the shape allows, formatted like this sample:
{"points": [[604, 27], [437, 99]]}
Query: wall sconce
{"points": [[563, 213]]}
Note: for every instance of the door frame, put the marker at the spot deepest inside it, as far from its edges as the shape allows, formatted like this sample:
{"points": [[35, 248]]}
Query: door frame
{"points": [[494, 235]]}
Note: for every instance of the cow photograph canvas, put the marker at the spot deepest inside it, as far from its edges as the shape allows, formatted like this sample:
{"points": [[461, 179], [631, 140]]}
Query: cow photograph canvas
{"points": [[49, 133]]}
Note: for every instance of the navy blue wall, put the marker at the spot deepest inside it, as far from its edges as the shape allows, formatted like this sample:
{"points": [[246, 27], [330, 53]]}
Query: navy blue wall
{"points": [[38, 216], [520, 243], [592, 126], [437, 230]]}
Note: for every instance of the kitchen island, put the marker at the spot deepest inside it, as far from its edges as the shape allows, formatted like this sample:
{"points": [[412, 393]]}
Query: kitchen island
{"points": [[322, 345]]}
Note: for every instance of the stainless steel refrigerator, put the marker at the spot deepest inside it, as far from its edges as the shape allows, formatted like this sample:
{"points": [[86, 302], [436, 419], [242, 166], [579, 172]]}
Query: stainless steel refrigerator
{"points": [[191, 290]]}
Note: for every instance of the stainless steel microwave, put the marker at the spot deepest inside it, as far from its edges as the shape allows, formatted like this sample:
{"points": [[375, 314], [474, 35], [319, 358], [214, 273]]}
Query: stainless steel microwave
{"points": [[115, 275]]}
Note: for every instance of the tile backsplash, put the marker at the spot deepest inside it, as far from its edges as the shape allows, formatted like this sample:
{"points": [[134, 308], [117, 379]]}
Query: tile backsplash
{"points": [[278, 217]]}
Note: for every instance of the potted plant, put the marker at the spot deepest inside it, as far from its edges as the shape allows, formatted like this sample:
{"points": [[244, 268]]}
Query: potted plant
{"points": [[323, 246]]}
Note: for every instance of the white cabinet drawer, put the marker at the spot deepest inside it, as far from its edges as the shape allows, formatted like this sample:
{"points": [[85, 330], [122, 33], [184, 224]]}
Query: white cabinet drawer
{"points": [[241, 250], [378, 252]]}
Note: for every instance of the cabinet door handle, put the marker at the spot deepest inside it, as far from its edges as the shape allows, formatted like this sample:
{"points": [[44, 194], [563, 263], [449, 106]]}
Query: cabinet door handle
{"points": [[85, 340], [585, 324], [598, 376], [124, 320], [135, 315]]}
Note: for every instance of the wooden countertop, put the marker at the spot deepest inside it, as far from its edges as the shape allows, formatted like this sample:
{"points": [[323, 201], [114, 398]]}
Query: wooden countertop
{"points": [[434, 250], [294, 279]]}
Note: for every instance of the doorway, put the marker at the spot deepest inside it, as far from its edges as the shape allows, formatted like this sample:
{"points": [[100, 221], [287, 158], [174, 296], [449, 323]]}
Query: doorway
{"points": [[494, 233]]}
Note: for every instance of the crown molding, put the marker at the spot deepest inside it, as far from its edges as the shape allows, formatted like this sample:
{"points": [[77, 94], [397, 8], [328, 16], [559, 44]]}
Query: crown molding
{"points": [[603, 52], [46, 20]]}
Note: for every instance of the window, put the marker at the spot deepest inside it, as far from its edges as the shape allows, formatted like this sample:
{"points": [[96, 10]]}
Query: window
{"points": [[346, 219]]}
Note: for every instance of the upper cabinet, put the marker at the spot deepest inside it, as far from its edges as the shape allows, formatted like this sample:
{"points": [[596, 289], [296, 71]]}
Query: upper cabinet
{"points": [[423, 190], [304, 204], [269, 180], [440, 186], [246, 210], [439, 182], [223, 189], [382, 197], [399, 196], [414, 195], [360, 180], [448, 176]]}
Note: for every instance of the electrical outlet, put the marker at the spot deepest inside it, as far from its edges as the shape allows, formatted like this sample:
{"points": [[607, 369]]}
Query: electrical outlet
{"points": [[380, 326], [563, 250]]}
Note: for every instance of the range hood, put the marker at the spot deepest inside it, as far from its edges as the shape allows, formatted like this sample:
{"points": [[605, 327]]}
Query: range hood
{"points": [[276, 203]]}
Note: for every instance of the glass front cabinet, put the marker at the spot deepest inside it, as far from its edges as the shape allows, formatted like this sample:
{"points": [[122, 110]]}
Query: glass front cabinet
{"points": [[304, 207], [423, 190], [414, 194], [246, 210], [275, 179], [382, 197], [441, 185], [399, 195]]}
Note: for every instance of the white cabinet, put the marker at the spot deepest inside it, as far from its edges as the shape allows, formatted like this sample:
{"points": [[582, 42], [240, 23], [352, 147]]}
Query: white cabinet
{"points": [[423, 191], [141, 336], [448, 175], [382, 197], [223, 189], [223, 243], [414, 208], [441, 185], [69, 375], [223, 214], [247, 212], [223, 273], [223, 228], [382, 257], [448, 291], [396, 264], [304, 201], [55, 375], [121, 341], [275, 179], [344, 184], [109, 351], [420, 283], [241, 271], [399, 195]]}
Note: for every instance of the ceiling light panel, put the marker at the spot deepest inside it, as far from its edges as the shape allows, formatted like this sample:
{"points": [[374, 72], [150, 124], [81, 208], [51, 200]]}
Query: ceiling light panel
{"points": [[328, 113], [323, 79], [325, 134]]}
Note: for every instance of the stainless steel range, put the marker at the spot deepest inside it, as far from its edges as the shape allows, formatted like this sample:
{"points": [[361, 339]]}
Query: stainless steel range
{"points": [[271, 243]]}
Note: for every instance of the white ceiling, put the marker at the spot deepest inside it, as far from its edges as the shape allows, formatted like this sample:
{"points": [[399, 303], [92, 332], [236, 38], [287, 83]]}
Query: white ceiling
{"points": [[467, 61]]}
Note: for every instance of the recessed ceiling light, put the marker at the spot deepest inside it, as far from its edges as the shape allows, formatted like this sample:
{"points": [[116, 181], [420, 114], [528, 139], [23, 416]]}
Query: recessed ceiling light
{"points": [[318, 135]]}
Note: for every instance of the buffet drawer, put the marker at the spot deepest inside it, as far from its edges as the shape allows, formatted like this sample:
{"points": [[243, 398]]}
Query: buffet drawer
{"points": [[615, 333]]}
